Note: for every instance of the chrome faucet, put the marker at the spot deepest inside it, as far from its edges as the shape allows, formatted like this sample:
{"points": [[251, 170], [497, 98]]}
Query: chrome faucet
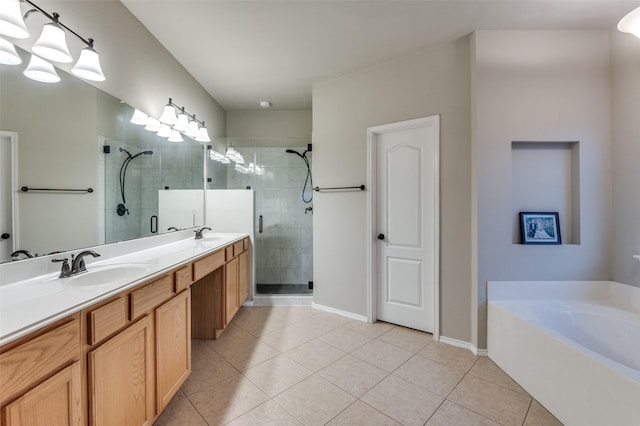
{"points": [[77, 263], [199, 232]]}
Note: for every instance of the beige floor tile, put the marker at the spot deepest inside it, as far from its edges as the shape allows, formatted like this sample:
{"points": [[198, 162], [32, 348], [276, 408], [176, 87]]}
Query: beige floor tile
{"points": [[406, 338], [260, 326], [403, 401], [314, 401], [345, 339], [286, 338], [382, 355], [490, 400], [277, 374], [353, 375], [267, 414], [207, 368], [361, 414], [488, 370], [372, 330], [433, 376], [227, 400], [180, 412], [450, 414], [244, 352], [539, 416], [458, 358], [289, 314], [315, 355]]}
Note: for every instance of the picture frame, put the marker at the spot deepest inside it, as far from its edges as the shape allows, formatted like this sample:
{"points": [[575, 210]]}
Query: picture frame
{"points": [[540, 228]]}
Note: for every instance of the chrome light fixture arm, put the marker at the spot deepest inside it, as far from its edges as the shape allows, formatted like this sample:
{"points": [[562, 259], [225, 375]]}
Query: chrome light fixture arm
{"points": [[55, 18]]}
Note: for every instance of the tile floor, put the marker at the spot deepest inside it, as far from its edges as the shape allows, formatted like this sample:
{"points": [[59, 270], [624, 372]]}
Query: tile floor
{"points": [[298, 365]]}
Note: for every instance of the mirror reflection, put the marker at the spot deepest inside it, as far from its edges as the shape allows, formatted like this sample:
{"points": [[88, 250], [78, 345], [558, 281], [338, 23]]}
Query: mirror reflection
{"points": [[62, 137]]}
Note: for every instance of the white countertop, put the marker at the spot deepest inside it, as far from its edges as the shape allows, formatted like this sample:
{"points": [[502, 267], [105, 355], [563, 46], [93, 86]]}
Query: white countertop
{"points": [[32, 303]]}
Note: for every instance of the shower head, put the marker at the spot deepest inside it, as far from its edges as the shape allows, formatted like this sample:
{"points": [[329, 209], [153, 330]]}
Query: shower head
{"points": [[124, 150], [147, 152], [291, 151]]}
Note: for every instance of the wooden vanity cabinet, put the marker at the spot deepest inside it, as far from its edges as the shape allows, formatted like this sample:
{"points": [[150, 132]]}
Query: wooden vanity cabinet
{"points": [[173, 347], [121, 378], [142, 366], [232, 296], [41, 378]]}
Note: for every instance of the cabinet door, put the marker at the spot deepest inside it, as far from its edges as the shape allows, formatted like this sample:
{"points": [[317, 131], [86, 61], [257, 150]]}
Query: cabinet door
{"points": [[243, 276], [173, 347], [56, 401], [120, 378], [231, 289]]}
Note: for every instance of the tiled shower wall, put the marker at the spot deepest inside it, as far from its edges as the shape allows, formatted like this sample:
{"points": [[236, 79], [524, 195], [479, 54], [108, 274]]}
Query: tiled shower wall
{"points": [[174, 166], [284, 248]]}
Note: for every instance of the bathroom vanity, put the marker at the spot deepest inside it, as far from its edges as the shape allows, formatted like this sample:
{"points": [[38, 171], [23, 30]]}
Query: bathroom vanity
{"points": [[120, 356]]}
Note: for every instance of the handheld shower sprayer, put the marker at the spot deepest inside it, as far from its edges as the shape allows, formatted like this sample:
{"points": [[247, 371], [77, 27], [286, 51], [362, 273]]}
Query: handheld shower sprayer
{"points": [[308, 179], [121, 208]]}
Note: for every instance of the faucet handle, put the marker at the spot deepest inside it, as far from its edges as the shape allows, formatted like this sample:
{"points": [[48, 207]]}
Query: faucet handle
{"points": [[66, 269]]}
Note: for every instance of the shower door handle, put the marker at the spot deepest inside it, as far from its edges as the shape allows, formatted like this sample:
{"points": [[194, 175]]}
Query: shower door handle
{"points": [[260, 224], [153, 224]]}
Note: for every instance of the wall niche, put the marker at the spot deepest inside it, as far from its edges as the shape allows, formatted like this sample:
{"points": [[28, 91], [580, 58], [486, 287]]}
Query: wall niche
{"points": [[545, 177]]}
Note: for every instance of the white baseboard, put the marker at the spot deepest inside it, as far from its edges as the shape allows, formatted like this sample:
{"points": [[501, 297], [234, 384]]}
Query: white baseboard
{"points": [[353, 316], [464, 345]]}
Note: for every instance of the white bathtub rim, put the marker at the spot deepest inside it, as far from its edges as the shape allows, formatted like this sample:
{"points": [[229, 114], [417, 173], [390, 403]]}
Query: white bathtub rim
{"points": [[611, 364], [619, 293]]}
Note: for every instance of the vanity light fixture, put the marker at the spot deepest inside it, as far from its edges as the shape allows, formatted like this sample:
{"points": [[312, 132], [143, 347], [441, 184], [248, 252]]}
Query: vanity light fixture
{"points": [[184, 122], [165, 131], [175, 136], [51, 44], [41, 70], [8, 54], [153, 125], [631, 23], [234, 155], [139, 118]]}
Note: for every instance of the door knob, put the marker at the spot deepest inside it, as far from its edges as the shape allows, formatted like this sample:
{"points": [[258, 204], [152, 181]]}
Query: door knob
{"points": [[5, 236], [381, 236]]}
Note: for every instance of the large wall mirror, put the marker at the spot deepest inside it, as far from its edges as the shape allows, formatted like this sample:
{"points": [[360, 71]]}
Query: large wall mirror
{"points": [[72, 136]]}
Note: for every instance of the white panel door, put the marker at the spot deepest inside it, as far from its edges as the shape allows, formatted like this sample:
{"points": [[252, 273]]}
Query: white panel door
{"points": [[6, 198], [406, 212]]}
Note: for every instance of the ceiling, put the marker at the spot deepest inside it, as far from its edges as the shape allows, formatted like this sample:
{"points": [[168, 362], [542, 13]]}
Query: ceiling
{"points": [[242, 52]]}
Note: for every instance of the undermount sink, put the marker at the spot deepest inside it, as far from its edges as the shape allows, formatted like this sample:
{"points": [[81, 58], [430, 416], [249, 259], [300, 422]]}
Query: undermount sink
{"points": [[107, 274]]}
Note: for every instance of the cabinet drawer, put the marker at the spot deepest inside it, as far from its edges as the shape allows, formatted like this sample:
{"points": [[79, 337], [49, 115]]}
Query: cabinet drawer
{"points": [[24, 365], [229, 252], [107, 319], [150, 296], [183, 278], [207, 265], [245, 244], [238, 248]]}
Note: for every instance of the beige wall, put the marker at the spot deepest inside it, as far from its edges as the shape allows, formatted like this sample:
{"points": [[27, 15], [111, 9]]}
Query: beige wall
{"points": [[625, 111], [539, 86], [269, 124], [139, 70], [424, 84]]}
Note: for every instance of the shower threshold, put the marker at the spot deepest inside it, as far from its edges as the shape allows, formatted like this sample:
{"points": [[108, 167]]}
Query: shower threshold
{"points": [[289, 289]]}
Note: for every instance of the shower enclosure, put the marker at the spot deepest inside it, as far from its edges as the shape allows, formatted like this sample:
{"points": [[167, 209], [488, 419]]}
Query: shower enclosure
{"points": [[276, 169]]}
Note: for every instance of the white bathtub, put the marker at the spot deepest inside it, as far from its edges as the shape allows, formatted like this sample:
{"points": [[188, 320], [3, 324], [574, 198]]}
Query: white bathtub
{"points": [[574, 346]]}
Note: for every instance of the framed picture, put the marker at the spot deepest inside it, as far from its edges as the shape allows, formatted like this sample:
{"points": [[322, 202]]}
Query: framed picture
{"points": [[540, 228]]}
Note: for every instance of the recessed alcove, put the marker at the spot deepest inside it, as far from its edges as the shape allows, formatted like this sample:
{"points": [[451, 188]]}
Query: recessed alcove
{"points": [[545, 177]]}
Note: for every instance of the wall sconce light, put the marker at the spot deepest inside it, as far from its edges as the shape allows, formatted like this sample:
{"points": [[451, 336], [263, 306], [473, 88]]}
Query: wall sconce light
{"points": [[51, 44], [631, 23]]}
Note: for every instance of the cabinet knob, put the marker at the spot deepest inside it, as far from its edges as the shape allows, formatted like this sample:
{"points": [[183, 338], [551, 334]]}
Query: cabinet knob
{"points": [[5, 236], [381, 237]]}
